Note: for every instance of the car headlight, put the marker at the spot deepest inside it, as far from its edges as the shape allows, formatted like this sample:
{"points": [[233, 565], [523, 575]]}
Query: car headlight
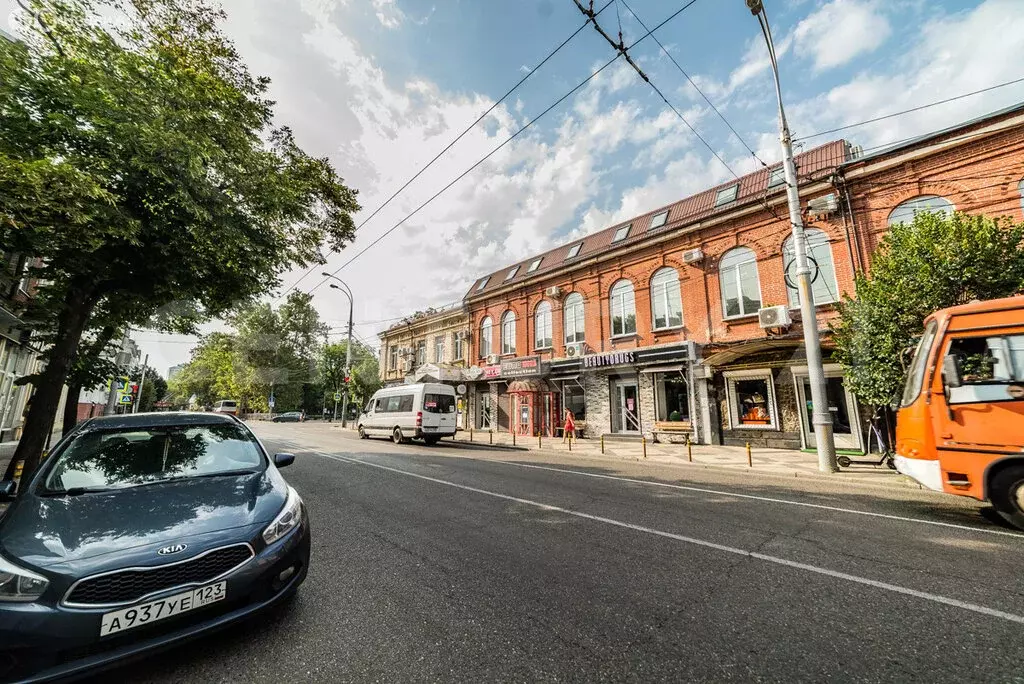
{"points": [[289, 518], [19, 584]]}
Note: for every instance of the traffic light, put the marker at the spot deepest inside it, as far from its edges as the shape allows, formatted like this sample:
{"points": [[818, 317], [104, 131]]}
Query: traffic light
{"points": [[348, 379]]}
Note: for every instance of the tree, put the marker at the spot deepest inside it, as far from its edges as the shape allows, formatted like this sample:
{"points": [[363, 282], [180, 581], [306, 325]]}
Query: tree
{"points": [[153, 389], [139, 162], [930, 264], [210, 374]]}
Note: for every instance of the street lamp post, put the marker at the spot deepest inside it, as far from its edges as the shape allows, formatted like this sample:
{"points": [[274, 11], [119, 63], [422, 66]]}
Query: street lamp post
{"points": [[821, 418], [347, 291]]}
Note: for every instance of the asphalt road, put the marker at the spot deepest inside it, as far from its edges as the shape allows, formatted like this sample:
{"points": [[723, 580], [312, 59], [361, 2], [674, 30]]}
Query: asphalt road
{"points": [[450, 564]]}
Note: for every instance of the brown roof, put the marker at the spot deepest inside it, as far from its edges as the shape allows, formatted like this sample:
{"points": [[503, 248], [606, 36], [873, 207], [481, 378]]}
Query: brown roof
{"points": [[811, 165]]}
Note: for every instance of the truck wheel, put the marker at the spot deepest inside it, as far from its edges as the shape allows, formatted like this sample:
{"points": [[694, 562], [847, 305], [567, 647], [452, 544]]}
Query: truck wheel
{"points": [[1006, 492], [396, 436]]}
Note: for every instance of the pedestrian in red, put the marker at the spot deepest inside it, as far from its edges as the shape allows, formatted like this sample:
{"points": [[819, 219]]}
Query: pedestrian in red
{"points": [[569, 428]]}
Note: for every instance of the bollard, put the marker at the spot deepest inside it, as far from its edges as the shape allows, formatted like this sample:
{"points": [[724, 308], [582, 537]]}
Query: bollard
{"points": [[513, 437], [470, 434], [750, 461], [570, 442], [602, 444], [643, 441], [490, 436], [689, 449], [540, 443]]}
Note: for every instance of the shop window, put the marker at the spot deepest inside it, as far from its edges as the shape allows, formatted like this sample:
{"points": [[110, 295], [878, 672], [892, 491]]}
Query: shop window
{"points": [[823, 272], [486, 412], [905, 212], [573, 399], [623, 308], [486, 331], [508, 333], [752, 401], [574, 318], [673, 397], [542, 326], [741, 289], [666, 305]]}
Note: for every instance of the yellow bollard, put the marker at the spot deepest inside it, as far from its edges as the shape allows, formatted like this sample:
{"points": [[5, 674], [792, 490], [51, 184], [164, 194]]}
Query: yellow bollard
{"points": [[18, 469], [540, 444], [750, 460], [643, 441], [689, 449], [602, 444], [490, 436], [470, 434], [513, 437]]}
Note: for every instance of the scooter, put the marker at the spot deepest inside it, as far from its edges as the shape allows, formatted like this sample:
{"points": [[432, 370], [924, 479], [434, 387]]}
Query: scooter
{"points": [[845, 461]]}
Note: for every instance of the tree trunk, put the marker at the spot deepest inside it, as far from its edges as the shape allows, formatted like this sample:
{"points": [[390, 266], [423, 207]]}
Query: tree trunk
{"points": [[71, 409], [71, 324]]}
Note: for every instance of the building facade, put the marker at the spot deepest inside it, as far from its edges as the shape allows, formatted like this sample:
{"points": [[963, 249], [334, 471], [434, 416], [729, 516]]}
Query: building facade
{"points": [[18, 356], [684, 322], [432, 346]]}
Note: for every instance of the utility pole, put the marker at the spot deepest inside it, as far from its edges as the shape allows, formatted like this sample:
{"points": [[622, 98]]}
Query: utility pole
{"points": [[119, 361], [347, 291], [822, 418], [142, 382]]}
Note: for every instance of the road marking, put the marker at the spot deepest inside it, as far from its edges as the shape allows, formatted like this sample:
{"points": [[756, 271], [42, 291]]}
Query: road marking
{"points": [[885, 586], [787, 502]]}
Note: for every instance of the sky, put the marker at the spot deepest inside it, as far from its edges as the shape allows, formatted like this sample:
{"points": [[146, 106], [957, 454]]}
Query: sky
{"points": [[381, 86]]}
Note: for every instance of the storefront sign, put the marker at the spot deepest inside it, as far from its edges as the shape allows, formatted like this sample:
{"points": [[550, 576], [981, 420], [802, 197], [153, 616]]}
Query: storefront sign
{"points": [[609, 359], [492, 371], [520, 368]]}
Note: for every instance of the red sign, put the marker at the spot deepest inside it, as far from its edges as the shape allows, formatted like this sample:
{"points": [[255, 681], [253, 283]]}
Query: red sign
{"points": [[492, 371]]}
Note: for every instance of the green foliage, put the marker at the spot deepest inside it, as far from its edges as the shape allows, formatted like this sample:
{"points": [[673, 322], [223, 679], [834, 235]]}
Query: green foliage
{"points": [[142, 168], [933, 263], [153, 389], [365, 372]]}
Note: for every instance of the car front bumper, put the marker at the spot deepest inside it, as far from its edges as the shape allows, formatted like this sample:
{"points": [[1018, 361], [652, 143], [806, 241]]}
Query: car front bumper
{"points": [[44, 642]]}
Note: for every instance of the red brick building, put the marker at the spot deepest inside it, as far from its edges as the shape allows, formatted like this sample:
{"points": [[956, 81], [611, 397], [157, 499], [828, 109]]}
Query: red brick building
{"points": [[683, 321]]}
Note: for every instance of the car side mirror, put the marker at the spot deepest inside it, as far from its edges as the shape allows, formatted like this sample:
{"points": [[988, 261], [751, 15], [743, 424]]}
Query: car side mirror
{"points": [[8, 488], [951, 371], [283, 460]]}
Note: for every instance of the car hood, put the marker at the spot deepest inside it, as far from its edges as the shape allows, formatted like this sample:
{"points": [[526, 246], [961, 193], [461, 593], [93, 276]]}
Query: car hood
{"points": [[47, 530]]}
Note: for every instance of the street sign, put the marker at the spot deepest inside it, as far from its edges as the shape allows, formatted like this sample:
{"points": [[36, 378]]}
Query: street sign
{"points": [[337, 396], [271, 402], [461, 389], [124, 399]]}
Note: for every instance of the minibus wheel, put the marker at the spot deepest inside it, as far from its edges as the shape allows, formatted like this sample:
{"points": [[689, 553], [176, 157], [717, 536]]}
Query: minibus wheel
{"points": [[1006, 492]]}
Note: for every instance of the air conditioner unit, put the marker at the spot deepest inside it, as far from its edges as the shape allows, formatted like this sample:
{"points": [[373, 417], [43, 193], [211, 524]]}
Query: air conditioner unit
{"points": [[574, 351], [692, 256], [823, 206], [553, 291], [493, 358], [773, 317]]}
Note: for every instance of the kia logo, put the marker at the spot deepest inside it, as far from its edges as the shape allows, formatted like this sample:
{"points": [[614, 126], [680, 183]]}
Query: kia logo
{"points": [[176, 548]]}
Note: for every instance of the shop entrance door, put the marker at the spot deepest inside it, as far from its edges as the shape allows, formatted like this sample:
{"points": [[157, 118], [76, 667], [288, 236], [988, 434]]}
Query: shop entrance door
{"points": [[841, 405], [625, 396]]}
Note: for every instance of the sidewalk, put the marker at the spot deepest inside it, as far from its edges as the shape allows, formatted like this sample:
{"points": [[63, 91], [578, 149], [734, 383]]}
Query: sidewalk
{"points": [[7, 450], [778, 462]]}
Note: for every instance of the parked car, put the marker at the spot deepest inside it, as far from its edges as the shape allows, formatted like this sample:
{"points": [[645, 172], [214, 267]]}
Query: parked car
{"points": [[422, 411], [140, 532], [290, 417]]}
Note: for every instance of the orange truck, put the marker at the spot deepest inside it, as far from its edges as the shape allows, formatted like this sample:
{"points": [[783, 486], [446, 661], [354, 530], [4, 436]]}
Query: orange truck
{"points": [[960, 426]]}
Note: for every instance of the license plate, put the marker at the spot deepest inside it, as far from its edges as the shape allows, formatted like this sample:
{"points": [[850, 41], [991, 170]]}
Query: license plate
{"points": [[429, 429], [136, 616]]}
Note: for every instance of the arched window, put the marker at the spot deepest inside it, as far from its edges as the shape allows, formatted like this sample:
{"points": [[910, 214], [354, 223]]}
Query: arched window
{"points": [[572, 307], [666, 305], [741, 290], [823, 273], [542, 326], [508, 333], [486, 337], [623, 308], [904, 212]]}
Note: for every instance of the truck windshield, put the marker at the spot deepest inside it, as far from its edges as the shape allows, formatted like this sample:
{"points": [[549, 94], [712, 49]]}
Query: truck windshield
{"points": [[438, 403], [915, 377]]}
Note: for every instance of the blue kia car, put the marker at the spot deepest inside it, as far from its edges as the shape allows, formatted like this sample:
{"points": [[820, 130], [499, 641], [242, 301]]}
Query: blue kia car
{"points": [[140, 532]]}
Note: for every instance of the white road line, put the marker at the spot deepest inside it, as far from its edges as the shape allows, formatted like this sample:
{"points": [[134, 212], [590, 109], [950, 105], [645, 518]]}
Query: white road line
{"points": [[885, 586], [769, 499]]}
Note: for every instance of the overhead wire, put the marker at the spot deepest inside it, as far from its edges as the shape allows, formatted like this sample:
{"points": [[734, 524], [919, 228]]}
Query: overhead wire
{"points": [[455, 140], [503, 144]]}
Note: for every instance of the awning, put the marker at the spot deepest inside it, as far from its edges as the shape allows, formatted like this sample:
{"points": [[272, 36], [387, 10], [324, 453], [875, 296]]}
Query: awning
{"points": [[562, 378], [675, 368]]}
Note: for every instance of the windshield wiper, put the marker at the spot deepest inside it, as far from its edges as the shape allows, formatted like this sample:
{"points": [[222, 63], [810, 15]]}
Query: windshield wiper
{"points": [[75, 491]]}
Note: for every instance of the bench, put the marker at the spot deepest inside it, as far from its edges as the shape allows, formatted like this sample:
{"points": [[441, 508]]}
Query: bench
{"points": [[679, 429]]}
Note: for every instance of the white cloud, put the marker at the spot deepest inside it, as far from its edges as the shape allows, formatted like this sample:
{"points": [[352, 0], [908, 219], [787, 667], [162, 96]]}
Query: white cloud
{"points": [[946, 56], [841, 30], [388, 13]]}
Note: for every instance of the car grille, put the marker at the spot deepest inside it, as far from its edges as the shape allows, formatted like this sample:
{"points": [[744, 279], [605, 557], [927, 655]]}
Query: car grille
{"points": [[127, 586]]}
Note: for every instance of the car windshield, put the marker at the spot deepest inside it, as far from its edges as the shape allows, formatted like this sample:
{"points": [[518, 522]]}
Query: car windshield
{"points": [[126, 458]]}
